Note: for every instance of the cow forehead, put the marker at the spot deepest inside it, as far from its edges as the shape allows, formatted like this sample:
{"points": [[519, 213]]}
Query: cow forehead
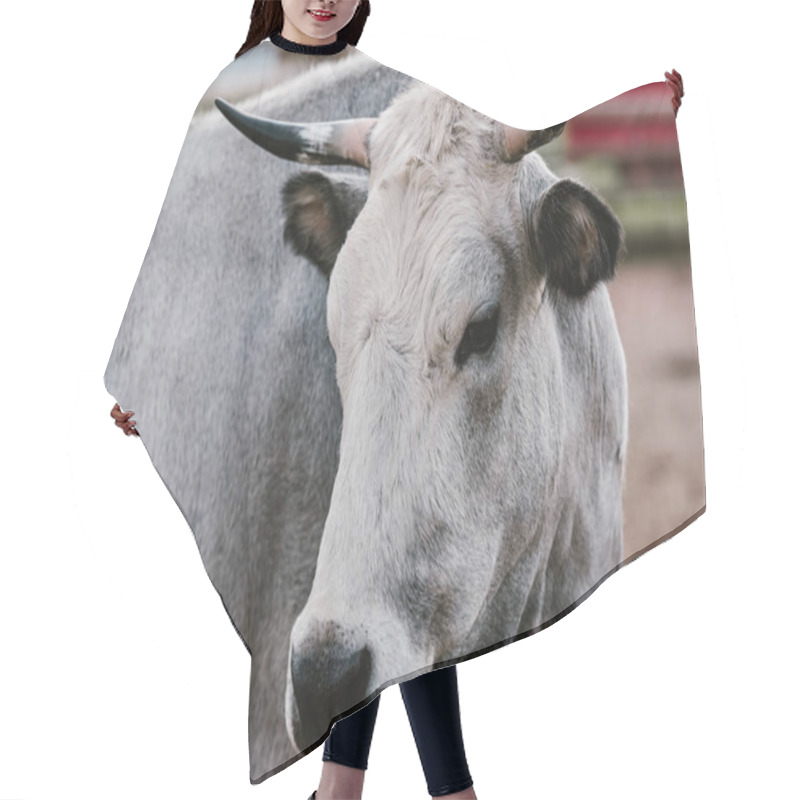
{"points": [[428, 124], [426, 221], [423, 201], [422, 275], [441, 224]]}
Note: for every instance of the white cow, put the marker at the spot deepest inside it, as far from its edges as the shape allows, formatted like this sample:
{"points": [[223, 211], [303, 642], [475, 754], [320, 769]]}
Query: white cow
{"points": [[482, 380]]}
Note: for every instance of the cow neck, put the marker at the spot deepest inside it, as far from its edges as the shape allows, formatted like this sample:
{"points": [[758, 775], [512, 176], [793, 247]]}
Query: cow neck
{"points": [[308, 49]]}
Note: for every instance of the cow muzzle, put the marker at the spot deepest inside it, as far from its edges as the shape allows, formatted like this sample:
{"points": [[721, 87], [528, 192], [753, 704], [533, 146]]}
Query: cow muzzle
{"points": [[329, 672]]}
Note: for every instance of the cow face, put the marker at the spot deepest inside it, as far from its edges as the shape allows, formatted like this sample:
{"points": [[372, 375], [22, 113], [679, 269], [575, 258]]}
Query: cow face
{"points": [[452, 411], [455, 454]]}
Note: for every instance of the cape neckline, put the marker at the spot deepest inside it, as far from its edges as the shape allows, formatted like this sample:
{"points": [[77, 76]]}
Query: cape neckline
{"points": [[308, 49]]}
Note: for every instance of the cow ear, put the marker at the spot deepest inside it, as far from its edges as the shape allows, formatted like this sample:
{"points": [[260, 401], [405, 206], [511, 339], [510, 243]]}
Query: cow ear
{"points": [[318, 213], [576, 237]]}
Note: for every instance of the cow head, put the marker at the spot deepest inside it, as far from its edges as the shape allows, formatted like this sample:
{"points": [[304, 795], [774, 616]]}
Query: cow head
{"points": [[455, 413]]}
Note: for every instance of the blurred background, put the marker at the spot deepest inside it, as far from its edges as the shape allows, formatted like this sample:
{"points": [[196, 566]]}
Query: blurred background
{"points": [[626, 149]]}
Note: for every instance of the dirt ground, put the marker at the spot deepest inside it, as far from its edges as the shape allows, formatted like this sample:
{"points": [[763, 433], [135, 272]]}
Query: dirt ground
{"points": [[665, 471]]}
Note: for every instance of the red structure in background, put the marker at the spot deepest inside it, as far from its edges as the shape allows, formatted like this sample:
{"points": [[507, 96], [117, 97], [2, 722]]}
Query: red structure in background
{"points": [[637, 129]]}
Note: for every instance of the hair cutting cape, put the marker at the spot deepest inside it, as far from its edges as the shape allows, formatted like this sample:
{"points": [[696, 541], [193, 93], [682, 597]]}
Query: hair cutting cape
{"points": [[418, 381]]}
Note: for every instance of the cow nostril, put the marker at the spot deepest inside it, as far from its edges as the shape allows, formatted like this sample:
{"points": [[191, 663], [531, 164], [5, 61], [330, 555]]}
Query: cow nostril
{"points": [[329, 675]]}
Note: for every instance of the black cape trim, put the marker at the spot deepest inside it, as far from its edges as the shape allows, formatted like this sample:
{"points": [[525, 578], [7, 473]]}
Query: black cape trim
{"points": [[308, 49]]}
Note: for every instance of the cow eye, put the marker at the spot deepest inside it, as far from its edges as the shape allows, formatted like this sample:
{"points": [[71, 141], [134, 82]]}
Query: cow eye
{"points": [[478, 336]]}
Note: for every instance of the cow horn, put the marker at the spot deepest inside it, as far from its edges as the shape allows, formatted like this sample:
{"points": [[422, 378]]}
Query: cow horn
{"points": [[514, 143], [337, 142]]}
